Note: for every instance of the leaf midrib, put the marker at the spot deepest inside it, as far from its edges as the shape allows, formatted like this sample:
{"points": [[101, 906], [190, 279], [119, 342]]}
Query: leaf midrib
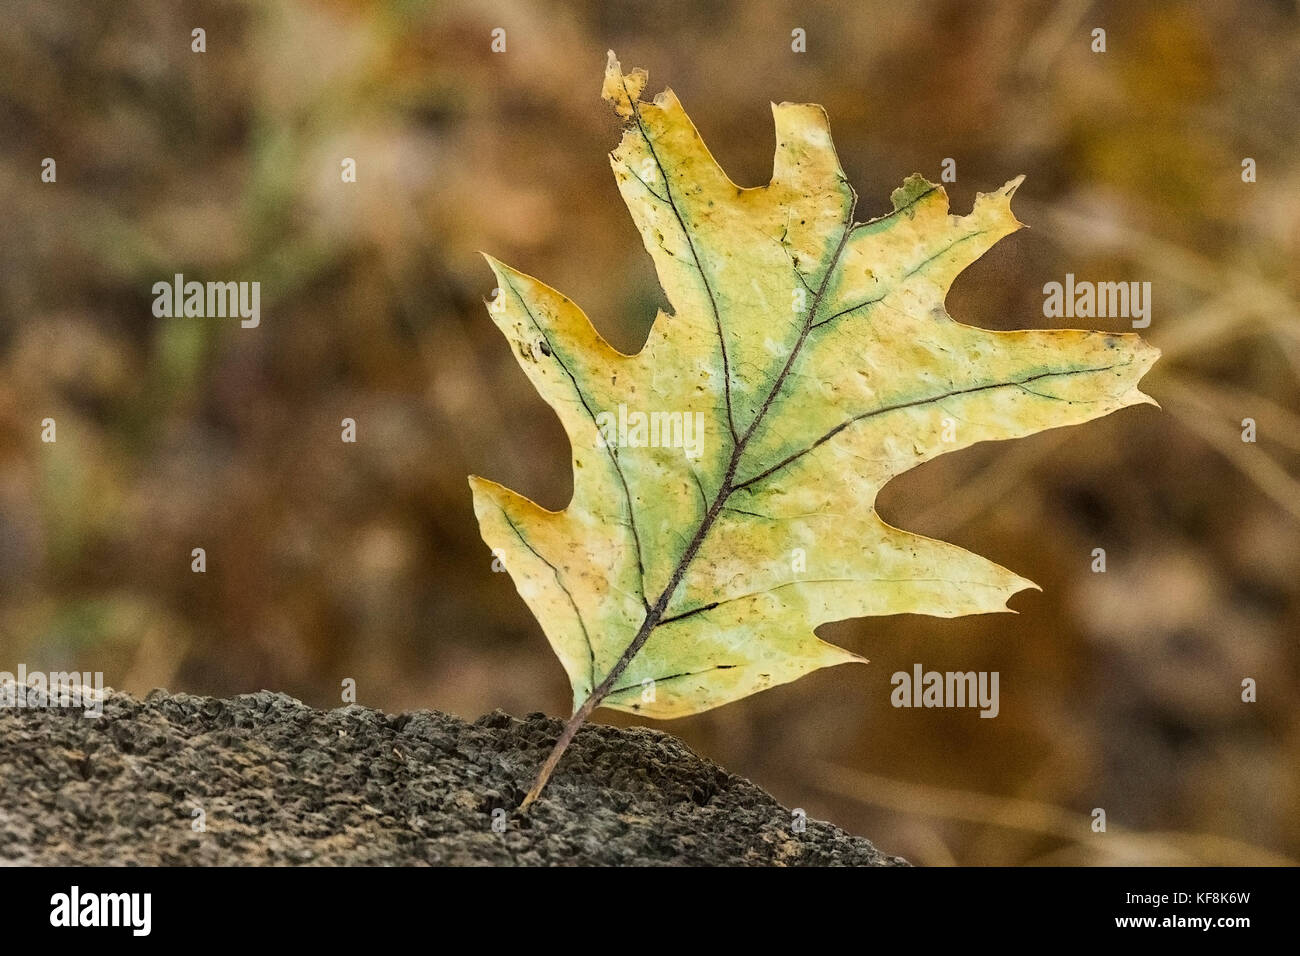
{"points": [[654, 616]]}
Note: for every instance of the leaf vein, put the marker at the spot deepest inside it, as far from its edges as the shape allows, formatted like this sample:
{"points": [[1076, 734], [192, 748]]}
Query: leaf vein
{"points": [[917, 403], [690, 244], [613, 455], [591, 650]]}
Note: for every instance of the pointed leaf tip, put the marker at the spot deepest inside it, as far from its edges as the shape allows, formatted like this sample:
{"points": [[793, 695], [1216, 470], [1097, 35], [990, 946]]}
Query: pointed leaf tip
{"points": [[620, 90], [914, 187]]}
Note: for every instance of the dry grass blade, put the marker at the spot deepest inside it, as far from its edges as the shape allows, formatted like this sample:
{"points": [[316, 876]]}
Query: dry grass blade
{"points": [[1199, 416], [1045, 819]]}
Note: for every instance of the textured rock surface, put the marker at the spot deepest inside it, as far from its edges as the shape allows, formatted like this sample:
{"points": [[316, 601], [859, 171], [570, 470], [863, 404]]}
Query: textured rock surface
{"points": [[279, 782]]}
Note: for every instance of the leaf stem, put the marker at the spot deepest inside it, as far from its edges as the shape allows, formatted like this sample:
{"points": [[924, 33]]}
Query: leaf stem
{"points": [[582, 713]]}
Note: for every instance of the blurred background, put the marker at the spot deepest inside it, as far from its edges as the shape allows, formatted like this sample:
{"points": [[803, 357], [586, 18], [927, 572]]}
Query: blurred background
{"points": [[326, 560]]}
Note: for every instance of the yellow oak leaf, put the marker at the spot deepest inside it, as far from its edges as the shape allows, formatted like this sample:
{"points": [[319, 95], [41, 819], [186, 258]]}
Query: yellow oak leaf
{"points": [[725, 475]]}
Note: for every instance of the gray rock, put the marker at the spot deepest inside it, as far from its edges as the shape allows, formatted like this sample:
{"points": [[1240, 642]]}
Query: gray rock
{"points": [[279, 782]]}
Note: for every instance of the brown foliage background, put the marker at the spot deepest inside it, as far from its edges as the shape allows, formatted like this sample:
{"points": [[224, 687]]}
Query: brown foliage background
{"points": [[328, 560]]}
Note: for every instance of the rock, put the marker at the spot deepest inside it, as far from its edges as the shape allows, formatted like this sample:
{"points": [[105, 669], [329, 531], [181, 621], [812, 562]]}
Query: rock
{"points": [[265, 779]]}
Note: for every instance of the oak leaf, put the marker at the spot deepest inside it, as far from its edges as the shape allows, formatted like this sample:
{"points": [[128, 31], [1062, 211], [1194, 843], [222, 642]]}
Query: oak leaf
{"points": [[725, 475]]}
